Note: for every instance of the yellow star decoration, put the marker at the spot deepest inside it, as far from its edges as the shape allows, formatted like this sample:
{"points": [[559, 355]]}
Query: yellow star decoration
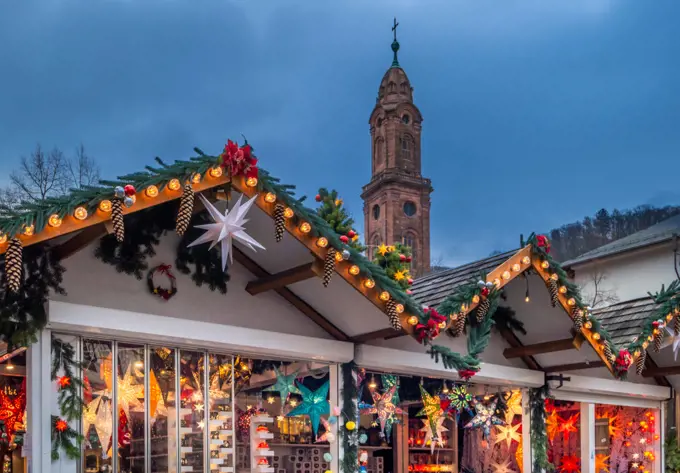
{"points": [[514, 406], [601, 463], [390, 249], [508, 433], [552, 422], [382, 249], [432, 408], [400, 275]]}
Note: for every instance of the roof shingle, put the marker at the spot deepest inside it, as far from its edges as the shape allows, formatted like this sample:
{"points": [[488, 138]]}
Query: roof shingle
{"points": [[624, 320]]}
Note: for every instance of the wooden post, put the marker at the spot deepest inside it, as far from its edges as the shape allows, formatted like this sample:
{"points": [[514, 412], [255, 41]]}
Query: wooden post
{"points": [[400, 450], [527, 454], [587, 437]]}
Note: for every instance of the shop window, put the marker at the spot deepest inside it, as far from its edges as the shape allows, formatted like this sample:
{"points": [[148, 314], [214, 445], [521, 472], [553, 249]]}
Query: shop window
{"points": [[12, 410], [400, 436], [626, 439], [563, 426]]}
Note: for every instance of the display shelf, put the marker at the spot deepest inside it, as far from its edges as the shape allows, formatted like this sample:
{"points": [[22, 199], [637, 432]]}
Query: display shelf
{"points": [[265, 435], [310, 445], [262, 419], [264, 453], [265, 469], [226, 469], [186, 469], [186, 449]]}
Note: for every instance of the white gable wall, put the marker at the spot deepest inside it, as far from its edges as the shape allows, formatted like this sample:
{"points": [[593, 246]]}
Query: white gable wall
{"points": [[89, 281]]}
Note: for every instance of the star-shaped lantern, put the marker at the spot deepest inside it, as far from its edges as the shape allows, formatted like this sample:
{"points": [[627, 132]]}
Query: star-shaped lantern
{"points": [[432, 408], [674, 341], [552, 424], [434, 437], [570, 464], [568, 426], [227, 228], [508, 433], [314, 404], [284, 385], [383, 249], [502, 466], [513, 406], [12, 410], [601, 463], [460, 398], [485, 417], [383, 406]]}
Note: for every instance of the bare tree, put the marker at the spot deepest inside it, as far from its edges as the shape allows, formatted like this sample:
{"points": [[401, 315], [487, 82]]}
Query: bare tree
{"points": [[594, 289], [47, 174]]}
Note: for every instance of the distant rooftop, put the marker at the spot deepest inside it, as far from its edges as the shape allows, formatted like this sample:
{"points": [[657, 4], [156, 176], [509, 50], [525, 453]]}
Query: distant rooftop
{"points": [[659, 233], [433, 288]]}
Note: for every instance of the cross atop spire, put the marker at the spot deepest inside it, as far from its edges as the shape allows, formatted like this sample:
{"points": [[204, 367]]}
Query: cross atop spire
{"points": [[395, 44]]}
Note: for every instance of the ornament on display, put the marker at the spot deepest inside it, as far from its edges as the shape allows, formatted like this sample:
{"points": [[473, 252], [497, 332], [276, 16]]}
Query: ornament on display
{"points": [[129, 190], [314, 405], [119, 192], [162, 292], [432, 408], [502, 466], [485, 417], [673, 340], [117, 220], [601, 463], [186, 209], [430, 329], [345, 254], [14, 265], [513, 406], [460, 399], [279, 222], [128, 202], [350, 425], [623, 361], [568, 426], [285, 385], [383, 407], [227, 227], [570, 464], [328, 266], [552, 424], [507, 433], [327, 457], [434, 437], [239, 160]]}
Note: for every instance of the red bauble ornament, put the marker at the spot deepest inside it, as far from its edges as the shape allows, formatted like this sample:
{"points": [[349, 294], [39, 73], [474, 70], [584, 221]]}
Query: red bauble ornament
{"points": [[344, 239], [61, 425], [318, 198], [402, 257], [409, 281], [63, 381], [485, 291], [408, 291], [351, 233], [656, 324], [466, 374], [408, 259], [129, 190]]}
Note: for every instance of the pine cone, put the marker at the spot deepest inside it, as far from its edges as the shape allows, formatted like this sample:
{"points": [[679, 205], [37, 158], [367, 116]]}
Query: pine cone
{"points": [[577, 316], [640, 362], [658, 339], [483, 309], [328, 266], [554, 292], [279, 222], [458, 325], [676, 326], [392, 314], [117, 219], [14, 265], [186, 207], [608, 353]]}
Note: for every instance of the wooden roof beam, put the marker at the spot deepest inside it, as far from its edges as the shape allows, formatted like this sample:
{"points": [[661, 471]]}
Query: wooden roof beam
{"points": [[513, 340], [284, 278], [544, 347], [291, 297], [574, 366]]}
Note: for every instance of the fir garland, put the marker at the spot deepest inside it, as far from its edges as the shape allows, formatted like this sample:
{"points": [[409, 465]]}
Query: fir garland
{"points": [[539, 436], [350, 438], [395, 260], [22, 314], [65, 438], [672, 452], [338, 219]]}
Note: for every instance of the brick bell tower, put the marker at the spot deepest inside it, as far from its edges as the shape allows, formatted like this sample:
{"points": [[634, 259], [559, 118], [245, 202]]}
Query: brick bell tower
{"points": [[397, 199]]}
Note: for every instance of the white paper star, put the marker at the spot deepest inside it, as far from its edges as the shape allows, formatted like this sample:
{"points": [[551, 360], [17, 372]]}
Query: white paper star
{"points": [[674, 341], [434, 437], [502, 467], [508, 433], [227, 227]]}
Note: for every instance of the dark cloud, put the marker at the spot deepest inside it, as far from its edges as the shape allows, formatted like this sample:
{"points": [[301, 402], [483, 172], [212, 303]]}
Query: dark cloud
{"points": [[536, 113]]}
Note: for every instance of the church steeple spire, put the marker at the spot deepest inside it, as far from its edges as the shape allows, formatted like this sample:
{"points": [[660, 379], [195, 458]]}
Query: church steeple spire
{"points": [[395, 44]]}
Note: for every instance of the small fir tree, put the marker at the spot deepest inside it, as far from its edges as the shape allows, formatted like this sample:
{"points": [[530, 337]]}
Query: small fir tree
{"points": [[333, 212], [396, 261]]}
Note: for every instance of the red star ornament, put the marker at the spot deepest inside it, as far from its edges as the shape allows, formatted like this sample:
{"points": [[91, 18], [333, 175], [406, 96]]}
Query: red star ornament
{"points": [[63, 381], [61, 425], [567, 426], [570, 464], [12, 410]]}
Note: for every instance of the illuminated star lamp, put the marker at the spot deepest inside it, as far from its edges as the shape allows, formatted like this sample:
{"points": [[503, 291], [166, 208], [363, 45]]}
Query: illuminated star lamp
{"points": [[12, 410], [432, 408], [513, 406], [601, 463], [485, 417], [508, 433], [570, 464], [568, 426], [314, 404], [383, 406], [434, 438], [284, 385]]}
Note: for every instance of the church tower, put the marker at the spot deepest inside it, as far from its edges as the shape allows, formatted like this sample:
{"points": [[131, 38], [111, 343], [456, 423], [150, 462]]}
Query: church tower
{"points": [[397, 199]]}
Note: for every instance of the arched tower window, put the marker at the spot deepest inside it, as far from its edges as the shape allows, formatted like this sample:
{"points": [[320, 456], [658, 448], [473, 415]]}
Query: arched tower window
{"points": [[407, 150], [409, 239], [391, 88], [379, 152]]}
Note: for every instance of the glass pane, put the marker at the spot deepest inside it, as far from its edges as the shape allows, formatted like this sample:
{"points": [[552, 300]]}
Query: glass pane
{"points": [[563, 425], [221, 414], [98, 413], [130, 394], [626, 439], [162, 410], [192, 411]]}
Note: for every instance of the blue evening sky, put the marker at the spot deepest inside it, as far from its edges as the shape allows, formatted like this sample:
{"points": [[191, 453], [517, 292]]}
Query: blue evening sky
{"points": [[536, 112]]}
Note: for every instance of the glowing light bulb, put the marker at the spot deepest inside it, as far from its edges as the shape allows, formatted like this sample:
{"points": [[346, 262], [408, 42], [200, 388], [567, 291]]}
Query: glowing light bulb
{"points": [[571, 301], [251, 181], [588, 325], [399, 308], [354, 270], [372, 384], [596, 336], [305, 227], [54, 220], [516, 267], [526, 260], [412, 320], [3, 238], [384, 296], [270, 197], [174, 184], [196, 178], [105, 206], [322, 242], [563, 289], [506, 275], [554, 276], [215, 172], [338, 256], [80, 213], [29, 229], [475, 299], [527, 299], [442, 325], [369, 283], [288, 212], [151, 191], [497, 282]]}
